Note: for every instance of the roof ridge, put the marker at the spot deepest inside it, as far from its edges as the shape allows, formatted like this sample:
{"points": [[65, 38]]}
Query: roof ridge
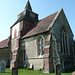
{"points": [[4, 39], [49, 15], [41, 26]]}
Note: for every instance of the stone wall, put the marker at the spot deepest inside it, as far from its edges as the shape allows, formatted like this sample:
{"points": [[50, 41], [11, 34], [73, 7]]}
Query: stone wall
{"points": [[31, 48], [37, 63], [30, 45], [61, 22]]}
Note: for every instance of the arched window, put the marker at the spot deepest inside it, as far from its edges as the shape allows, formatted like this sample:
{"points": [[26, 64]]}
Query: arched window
{"points": [[40, 45], [15, 33], [63, 39]]}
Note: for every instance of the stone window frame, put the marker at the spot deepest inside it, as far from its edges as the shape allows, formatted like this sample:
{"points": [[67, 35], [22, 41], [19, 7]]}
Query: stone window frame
{"points": [[40, 44], [64, 41]]}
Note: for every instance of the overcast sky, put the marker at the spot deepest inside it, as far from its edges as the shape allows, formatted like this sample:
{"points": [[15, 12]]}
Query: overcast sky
{"points": [[9, 9]]}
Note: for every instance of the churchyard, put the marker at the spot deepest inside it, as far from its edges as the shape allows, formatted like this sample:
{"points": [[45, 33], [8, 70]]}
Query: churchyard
{"points": [[29, 71], [32, 72]]}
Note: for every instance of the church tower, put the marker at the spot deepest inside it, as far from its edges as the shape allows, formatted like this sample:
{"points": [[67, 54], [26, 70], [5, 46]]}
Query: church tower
{"points": [[28, 6], [27, 19]]}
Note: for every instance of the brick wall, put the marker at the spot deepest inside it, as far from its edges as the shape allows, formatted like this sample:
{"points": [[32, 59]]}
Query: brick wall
{"points": [[27, 25], [48, 61]]}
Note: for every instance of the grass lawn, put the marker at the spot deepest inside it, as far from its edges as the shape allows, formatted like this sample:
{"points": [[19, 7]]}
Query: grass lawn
{"points": [[30, 72]]}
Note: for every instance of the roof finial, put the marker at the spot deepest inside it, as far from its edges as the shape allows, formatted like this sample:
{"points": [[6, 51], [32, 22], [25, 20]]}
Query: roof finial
{"points": [[28, 6]]}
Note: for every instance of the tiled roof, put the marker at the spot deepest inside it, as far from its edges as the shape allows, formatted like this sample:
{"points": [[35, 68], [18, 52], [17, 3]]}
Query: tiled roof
{"points": [[4, 43], [42, 26]]}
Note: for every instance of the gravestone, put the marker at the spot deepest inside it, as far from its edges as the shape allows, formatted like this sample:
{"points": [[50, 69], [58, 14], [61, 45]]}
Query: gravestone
{"points": [[31, 66], [58, 69], [2, 66], [73, 73], [14, 71]]}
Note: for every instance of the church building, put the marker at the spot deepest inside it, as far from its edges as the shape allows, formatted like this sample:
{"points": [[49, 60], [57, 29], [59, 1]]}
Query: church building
{"points": [[42, 44]]}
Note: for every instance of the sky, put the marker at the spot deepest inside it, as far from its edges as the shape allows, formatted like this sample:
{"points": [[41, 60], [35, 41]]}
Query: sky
{"points": [[9, 9]]}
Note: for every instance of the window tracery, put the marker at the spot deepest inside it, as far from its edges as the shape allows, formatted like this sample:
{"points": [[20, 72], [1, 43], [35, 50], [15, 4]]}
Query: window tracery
{"points": [[40, 45], [63, 39]]}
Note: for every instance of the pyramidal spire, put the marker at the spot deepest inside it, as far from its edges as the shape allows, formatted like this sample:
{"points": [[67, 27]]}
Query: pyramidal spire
{"points": [[28, 6]]}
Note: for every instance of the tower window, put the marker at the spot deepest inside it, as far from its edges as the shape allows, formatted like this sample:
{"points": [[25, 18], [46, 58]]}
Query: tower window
{"points": [[15, 33], [32, 15]]}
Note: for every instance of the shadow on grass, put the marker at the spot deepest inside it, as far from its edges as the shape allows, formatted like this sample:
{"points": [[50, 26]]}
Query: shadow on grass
{"points": [[69, 70], [7, 72]]}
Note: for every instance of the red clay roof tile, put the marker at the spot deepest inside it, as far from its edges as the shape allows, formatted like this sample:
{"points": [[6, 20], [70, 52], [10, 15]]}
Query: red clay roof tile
{"points": [[41, 26], [4, 43]]}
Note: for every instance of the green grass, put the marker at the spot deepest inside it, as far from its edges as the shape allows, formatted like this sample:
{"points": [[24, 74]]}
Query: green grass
{"points": [[31, 72], [7, 72]]}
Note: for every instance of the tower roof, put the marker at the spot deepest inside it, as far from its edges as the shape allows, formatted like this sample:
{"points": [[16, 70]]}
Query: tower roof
{"points": [[28, 6]]}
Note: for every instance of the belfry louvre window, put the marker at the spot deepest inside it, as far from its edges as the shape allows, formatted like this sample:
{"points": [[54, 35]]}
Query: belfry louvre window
{"points": [[63, 40], [40, 46]]}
